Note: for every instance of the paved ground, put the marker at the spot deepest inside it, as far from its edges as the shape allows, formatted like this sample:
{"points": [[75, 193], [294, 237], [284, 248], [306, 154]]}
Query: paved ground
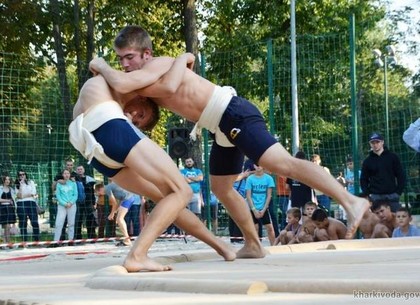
{"points": [[385, 271]]}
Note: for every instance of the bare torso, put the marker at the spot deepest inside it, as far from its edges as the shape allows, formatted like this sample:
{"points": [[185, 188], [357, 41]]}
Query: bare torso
{"points": [[189, 100], [336, 229]]}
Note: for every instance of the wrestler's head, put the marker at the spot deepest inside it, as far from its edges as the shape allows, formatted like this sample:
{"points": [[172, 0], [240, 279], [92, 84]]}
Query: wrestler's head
{"points": [[133, 46], [143, 112]]}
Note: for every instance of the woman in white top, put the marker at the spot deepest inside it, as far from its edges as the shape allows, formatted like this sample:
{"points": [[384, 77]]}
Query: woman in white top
{"points": [[7, 207], [26, 205]]}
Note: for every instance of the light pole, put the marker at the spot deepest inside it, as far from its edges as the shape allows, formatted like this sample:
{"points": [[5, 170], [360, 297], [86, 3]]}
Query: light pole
{"points": [[383, 60]]}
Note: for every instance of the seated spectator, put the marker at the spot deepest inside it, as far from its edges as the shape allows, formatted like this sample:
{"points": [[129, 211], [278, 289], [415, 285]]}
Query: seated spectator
{"points": [[307, 230], [368, 223], [387, 221], [287, 235], [404, 228], [327, 228]]}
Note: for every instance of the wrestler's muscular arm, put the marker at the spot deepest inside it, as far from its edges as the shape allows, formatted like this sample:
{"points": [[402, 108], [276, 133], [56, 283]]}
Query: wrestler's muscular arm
{"points": [[126, 82], [171, 80], [136, 80]]}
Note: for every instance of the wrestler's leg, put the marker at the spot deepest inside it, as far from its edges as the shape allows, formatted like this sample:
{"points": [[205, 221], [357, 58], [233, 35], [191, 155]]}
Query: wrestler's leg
{"points": [[186, 220], [222, 187], [147, 159], [277, 160]]}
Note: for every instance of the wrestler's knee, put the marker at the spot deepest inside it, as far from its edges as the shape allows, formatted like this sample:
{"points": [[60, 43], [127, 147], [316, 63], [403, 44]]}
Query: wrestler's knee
{"points": [[186, 193]]}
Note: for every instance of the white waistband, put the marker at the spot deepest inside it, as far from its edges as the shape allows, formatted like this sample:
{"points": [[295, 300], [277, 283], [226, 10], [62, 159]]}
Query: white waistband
{"points": [[212, 114], [99, 114], [82, 126]]}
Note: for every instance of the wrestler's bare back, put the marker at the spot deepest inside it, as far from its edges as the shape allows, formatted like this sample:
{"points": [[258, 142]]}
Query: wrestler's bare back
{"points": [[94, 91]]}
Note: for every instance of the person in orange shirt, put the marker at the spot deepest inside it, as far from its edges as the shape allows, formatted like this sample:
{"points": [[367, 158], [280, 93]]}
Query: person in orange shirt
{"points": [[282, 198]]}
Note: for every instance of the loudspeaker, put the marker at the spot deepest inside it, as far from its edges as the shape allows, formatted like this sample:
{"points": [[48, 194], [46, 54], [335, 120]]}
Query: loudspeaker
{"points": [[178, 139]]}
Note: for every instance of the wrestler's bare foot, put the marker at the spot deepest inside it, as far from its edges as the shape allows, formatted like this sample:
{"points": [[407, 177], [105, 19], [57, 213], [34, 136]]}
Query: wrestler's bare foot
{"points": [[355, 215], [145, 264], [251, 251], [225, 250]]}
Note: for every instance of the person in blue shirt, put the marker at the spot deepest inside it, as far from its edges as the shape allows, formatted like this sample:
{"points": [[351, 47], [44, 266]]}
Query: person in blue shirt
{"points": [[259, 189], [66, 194], [193, 176], [404, 229]]}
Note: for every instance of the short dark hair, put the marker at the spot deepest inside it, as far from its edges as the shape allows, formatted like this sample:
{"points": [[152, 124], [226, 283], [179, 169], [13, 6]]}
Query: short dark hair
{"points": [[403, 209], [376, 205], [154, 119], [300, 155], [133, 36], [319, 215]]}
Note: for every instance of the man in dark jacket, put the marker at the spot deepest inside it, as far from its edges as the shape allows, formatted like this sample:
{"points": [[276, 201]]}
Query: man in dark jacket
{"points": [[382, 177]]}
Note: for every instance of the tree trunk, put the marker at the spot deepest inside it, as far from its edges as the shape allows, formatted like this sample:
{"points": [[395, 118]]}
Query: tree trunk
{"points": [[191, 41], [61, 63]]}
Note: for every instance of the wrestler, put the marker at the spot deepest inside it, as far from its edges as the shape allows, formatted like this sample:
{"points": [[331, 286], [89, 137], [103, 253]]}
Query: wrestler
{"points": [[239, 129], [117, 149]]}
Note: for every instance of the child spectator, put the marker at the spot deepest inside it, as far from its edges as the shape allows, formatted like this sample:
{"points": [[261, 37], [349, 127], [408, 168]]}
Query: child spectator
{"points": [[287, 235], [368, 223], [100, 209], [404, 228], [259, 188], [327, 228], [307, 230], [387, 221]]}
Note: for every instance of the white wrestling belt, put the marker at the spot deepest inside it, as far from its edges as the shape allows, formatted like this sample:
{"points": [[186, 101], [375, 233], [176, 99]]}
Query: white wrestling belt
{"points": [[82, 126]]}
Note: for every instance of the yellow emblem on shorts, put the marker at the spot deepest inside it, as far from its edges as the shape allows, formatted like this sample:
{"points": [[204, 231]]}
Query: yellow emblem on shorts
{"points": [[234, 132]]}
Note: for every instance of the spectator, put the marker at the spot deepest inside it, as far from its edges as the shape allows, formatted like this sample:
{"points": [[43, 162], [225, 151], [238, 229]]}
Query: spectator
{"points": [[300, 193], [382, 177], [327, 228], [193, 176], [133, 216], [288, 234], [66, 194], [84, 213], [349, 176], [100, 209], [239, 185], [121, 201], [7, 207], [283, 198], [412, 135], [387, 221], [307, 230], [214, 206], [69, 165], [26, 205], [322, 199], [404, 228], [368, 223], [259, 188]]}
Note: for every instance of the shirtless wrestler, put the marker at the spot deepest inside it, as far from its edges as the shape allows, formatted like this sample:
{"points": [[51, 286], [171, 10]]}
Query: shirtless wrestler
{"points": [[117, 149]]}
